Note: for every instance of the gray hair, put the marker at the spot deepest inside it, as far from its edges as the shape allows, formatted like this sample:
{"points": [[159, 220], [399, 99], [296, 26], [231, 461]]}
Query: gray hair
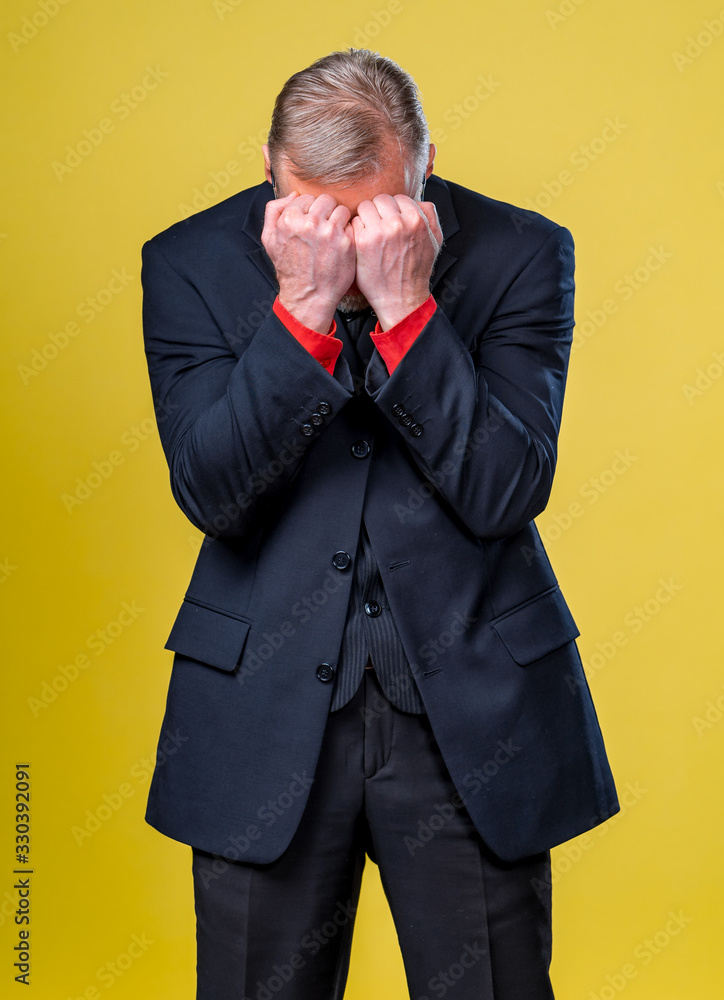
{"points": [[334, 122]]}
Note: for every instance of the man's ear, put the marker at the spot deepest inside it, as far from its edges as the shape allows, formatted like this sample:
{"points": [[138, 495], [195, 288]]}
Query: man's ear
{"points": [[430, 160], [267, 163]]}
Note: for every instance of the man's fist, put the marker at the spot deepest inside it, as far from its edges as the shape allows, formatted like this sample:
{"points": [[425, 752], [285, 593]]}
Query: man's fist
{"points": [[311, 246], [396, 242]]}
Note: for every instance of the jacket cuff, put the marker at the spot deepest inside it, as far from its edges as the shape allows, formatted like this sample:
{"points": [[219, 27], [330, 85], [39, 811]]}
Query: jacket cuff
{"points": [[324, 347], [393, 344]]}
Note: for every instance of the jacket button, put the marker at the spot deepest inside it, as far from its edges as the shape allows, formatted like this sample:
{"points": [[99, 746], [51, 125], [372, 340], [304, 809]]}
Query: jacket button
{"points": [[341, 560], [398, 409], [325, 672], [324, 409], [316, 419], [406, 419], [372, 608], [416, 430], [307, 430], [360, 449]]}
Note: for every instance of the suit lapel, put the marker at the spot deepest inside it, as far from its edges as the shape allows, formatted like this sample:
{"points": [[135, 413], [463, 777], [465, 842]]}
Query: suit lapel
{"points": [[436, 191], [252, 227]]}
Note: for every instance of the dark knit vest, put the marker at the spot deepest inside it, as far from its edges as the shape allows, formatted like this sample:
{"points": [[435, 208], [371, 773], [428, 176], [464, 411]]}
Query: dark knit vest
{"points": [[370, 633]]}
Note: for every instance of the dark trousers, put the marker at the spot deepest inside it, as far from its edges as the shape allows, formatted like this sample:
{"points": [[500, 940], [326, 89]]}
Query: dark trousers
{"points": [[468, 924]]}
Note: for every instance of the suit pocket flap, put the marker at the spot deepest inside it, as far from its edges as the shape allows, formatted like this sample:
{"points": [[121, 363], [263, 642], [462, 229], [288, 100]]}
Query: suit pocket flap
{"points": [[208, 635], [536, 628]]}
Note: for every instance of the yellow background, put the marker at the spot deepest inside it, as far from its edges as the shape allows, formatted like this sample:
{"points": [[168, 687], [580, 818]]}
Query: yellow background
{"points": [[516, 93]]}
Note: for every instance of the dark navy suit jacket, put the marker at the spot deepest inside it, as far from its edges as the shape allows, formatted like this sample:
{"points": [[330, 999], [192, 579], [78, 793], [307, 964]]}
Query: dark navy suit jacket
{"points": [[263, 446]]}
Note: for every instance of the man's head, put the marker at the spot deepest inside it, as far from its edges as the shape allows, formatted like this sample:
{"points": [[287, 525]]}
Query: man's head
{"points": [[351, 116], [350, 125]]}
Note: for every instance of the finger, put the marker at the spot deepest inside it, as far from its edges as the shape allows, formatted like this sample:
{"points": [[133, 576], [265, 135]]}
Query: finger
{"points": [[409, 209], [367, 212], [406, 204], [302, 203], [276, 206], [322, 206], [340, 216], [274, 211], [430, 212], [413, 211], [357, 225], [386, 205]]}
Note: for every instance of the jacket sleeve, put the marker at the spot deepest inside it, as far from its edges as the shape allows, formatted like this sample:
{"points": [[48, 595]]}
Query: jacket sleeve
{"points": [[482, 426], [234, 431]]}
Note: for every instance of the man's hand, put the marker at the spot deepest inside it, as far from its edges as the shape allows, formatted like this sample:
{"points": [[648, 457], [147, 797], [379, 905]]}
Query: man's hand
{"points": [[311, 246], [396, 241]]}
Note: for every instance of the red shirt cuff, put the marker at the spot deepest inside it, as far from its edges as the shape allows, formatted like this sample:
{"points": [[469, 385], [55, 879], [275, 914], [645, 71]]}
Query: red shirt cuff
{"points": [[324, 347], [393, 344]]}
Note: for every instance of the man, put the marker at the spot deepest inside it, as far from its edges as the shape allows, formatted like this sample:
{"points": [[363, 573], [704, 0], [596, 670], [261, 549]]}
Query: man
{"points": [[359, 389]]}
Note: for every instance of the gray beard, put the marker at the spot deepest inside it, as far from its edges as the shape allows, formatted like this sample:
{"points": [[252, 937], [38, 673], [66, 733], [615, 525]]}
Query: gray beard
{"points": [[352, 303]]}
